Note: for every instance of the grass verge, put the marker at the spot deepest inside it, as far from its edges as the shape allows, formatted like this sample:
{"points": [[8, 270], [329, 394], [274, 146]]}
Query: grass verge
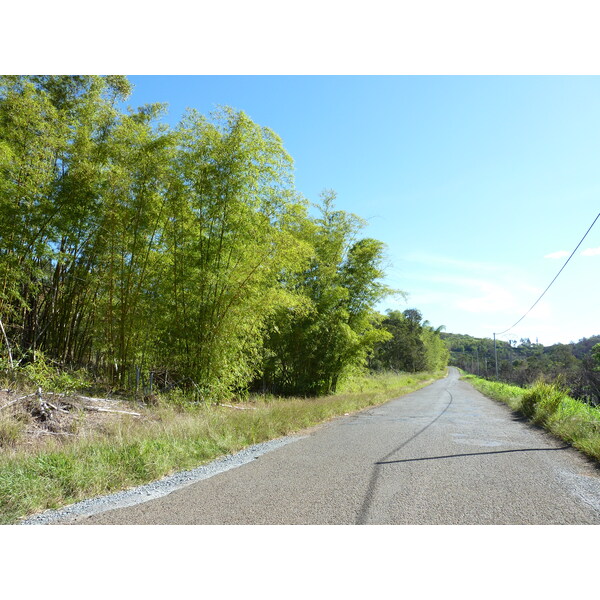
{"points": [[548, 405], [171, 438]]}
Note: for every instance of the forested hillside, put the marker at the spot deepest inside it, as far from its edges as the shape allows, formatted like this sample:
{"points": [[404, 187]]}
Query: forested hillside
{"points": [[576, 365], [133, 251]]}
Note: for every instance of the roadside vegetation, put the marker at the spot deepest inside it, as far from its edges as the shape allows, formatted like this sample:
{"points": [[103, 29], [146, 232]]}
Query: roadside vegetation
{"points": [[173, 435], [522, 362], [174, 282], [152, 257], [549, 406]]}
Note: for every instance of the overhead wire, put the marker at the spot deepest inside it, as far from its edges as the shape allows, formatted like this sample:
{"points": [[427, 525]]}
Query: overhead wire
{"points": [[555, 278]]}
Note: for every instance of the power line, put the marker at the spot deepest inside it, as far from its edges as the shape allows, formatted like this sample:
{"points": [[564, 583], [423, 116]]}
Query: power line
{"points": [[555, 278], [532, 306]]}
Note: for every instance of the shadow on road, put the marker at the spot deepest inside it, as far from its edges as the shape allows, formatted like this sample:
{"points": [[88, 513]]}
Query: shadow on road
{"points": [[391, 462], [362, 516]]}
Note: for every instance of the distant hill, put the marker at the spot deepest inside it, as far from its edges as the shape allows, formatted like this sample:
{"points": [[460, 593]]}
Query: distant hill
{"points": [[459, 343], [584, 346], [522, 362]]}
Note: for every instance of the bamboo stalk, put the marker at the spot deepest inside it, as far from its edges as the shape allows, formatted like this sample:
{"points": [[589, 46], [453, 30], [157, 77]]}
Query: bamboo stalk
{"points": [[10, 358]]}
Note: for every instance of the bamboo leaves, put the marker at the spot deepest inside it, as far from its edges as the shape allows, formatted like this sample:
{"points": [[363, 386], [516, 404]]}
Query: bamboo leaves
{"points": [[128, 245], [311, 350]]}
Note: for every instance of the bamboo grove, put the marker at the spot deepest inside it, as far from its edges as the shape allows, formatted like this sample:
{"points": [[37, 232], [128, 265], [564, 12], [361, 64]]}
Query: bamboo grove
{"points": [[182, 251]]}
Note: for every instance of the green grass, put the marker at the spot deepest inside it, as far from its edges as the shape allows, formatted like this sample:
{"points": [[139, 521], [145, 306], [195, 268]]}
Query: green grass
{"points": [[509, 394], [11, 430], [173, 437], [548, 405]]}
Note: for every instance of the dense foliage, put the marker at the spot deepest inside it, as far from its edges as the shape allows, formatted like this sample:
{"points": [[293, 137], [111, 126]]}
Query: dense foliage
{"points": [[333, 329], [128, 247], [413, 345], [575, 365]]}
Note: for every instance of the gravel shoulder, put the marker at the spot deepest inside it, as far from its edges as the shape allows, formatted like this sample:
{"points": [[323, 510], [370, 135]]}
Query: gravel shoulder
{"points": [[155, 489]]}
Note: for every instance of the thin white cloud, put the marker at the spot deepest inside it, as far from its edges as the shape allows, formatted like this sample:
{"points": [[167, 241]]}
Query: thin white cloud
{"points": [[490, 298], [434, 261], [559, 254], [479, 298], [591, 252], [468, 290], [467, 293]]}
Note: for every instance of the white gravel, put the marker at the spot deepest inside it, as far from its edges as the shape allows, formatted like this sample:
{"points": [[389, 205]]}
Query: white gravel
{"points": [[156, 489]]}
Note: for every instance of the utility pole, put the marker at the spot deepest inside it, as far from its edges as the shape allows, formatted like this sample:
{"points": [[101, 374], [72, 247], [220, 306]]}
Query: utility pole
{"points": [[496, 356]]}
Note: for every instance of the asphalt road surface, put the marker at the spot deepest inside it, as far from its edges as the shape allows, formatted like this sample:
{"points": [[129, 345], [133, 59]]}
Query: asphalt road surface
{"points": [[442, 455]]}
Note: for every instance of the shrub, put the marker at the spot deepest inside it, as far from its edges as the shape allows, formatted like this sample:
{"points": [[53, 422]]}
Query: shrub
{"points": [[43, 372], [542, 400]]}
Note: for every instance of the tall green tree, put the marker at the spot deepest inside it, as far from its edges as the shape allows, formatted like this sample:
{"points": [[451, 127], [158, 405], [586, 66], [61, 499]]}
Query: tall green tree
{"points": [[413, 344], [32, 138], [50, 127], [229, 235], [333, 329]]}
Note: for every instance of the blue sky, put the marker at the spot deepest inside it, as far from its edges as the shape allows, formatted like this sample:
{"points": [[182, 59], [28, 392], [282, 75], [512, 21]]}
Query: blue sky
{"points": [[473, 183]]}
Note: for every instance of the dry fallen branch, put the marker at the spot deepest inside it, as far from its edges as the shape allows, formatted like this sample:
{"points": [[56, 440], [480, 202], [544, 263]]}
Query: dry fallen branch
{"points": [[90, 399], [59, 408], [109, 410], [17, 400], [238, 407]]}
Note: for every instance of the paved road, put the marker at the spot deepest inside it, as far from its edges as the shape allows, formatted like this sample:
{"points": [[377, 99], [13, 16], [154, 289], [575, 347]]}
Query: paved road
{"points": [[442, 455]]}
